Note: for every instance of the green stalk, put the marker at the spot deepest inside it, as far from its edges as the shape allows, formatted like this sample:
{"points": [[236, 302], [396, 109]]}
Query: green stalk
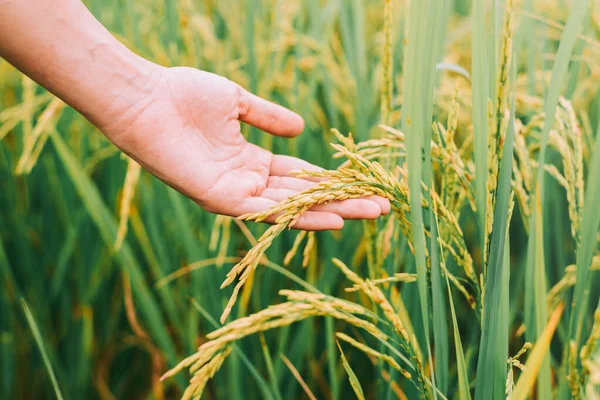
{"points": [[493, 350], [480, 78], [424, 17]]}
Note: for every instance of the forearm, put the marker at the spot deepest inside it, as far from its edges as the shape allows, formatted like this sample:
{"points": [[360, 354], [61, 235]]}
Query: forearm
{"points": [[60, 45]]}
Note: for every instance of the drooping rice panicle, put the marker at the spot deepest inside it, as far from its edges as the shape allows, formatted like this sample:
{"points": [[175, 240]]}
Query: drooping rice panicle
{"points": [[300, 305], [308, 249], [292, 252], [38, 135]]}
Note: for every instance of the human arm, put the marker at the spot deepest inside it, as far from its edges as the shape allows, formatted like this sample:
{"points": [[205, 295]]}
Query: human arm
{"points": [[181, 124]]}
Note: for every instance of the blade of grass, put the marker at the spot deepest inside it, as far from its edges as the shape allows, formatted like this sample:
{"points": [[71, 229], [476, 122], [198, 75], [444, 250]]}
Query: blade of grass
{"points": [[172, 22], [464, 392], [252, 69], [269, 363], [493, 351], [589, 229], [438, 316], [298, 377], [331, 362], [480, 77], [559, 71], [8, 279], [40, 342], [440, 323], [416, 122], [63, 259], [351, 375]]}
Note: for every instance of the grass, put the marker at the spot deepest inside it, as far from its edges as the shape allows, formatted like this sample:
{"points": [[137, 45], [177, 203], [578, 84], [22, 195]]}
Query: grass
{"points": [[479, 124]]}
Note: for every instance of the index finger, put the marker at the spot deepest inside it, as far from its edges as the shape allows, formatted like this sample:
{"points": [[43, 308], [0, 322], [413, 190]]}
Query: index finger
{"points": [[269, 117]]}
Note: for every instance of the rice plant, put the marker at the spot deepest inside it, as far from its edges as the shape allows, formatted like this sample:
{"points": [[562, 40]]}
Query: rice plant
{"points": [[478, 121]]}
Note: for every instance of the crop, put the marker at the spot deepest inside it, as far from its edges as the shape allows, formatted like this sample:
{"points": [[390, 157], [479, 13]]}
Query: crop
{"points": [[482, 283]]}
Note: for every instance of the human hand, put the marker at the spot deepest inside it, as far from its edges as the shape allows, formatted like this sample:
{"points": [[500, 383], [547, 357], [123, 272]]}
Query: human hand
{"points": [[186, 131], [181, 124]]}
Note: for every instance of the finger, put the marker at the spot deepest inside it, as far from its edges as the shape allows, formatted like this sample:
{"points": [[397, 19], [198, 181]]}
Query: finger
{"points": [[351, 209], [347, 209], [319, 221], [269, 117], [309, 221], [285, 182], [282, 166], [383, 203]]}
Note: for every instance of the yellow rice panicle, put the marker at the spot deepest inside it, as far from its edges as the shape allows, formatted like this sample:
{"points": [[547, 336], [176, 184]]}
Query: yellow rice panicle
{"points": [[131, 179]]}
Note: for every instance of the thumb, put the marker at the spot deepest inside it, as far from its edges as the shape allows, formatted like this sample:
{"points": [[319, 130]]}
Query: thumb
{"points": [[269, 117]]}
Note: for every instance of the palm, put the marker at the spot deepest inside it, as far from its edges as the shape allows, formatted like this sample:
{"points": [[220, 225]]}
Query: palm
{"points": [[188, 134]]}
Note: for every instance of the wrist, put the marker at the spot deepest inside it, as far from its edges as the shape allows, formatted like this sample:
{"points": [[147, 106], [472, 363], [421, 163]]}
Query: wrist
{"points": [[125, 83]]}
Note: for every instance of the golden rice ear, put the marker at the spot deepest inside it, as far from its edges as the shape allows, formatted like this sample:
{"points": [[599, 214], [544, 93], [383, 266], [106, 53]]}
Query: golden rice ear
{"points": [[131, 180], [292, 252], [338, 135]]}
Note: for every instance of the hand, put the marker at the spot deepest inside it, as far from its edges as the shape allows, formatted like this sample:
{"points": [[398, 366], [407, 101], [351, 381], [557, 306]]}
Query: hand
{"points": [[186, 131], [181, 124]]}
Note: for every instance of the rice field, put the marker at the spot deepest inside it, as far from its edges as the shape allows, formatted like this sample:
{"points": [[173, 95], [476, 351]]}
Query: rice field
{"points": [[478, 120]]}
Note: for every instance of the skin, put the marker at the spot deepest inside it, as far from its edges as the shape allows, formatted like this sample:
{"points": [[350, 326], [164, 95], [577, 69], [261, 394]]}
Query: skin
{"points": [[181, 124]]}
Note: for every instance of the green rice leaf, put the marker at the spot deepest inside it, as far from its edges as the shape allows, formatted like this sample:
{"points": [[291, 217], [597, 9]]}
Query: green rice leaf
{"points": [[493, 350], [331, 364], [425, 19], [40, 342], [269, 363], [559, 72], [351, 375], [464, 391], [480, 77], [439, 317], [588, 231], [440, 323]]}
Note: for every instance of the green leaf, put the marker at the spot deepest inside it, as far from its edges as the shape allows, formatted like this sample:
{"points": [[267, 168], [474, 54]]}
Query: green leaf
{"points": [[40, 342], [464, 392], [588, 231], [440, 323], [331, 364], [351, 375], [269, 363], [480, 77], [439, 317], [416, 122], [493, 350]]}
